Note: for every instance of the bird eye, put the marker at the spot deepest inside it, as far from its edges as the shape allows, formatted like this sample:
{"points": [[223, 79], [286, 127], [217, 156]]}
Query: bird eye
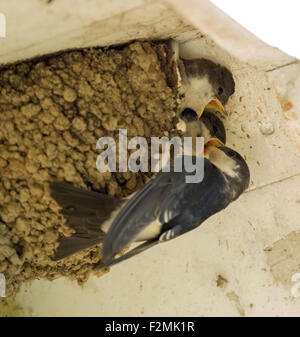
{"points": [[220, 91], [231, 153], [215, 129]]}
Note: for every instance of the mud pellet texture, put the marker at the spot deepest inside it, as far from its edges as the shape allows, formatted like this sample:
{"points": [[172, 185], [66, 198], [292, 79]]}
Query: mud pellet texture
{"points": [[52, 111]]}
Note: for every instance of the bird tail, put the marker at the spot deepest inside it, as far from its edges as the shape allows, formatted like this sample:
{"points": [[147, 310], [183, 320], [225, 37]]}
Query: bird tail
{"points": [[74, 244], [85, 212]]}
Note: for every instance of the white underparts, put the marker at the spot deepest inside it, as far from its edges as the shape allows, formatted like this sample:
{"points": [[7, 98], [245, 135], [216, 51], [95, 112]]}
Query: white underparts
{"points": [[150, 232], [226, 164]]}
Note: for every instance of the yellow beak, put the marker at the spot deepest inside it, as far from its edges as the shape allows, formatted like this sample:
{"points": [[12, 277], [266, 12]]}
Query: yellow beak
{"points": [[212, 144], [213, 103]]}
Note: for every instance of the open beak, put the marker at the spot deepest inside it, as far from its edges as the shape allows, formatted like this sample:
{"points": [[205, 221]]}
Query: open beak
{"points": [[212, 144], [213, 103]]}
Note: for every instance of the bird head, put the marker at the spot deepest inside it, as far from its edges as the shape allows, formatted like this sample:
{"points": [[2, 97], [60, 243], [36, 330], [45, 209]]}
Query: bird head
{"points": [[229, 162], [203, 124], [206, 85], [214, 125]]}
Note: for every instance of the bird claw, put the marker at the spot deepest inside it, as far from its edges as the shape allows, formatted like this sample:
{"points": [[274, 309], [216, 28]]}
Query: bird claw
{"points": [[166, 236]]}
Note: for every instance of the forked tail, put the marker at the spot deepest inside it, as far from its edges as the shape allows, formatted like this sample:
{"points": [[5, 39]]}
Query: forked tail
{"points": [[85, 212]]}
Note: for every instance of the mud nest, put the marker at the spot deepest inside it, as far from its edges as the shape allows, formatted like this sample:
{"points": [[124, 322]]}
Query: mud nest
{"points": [[52, 112]]}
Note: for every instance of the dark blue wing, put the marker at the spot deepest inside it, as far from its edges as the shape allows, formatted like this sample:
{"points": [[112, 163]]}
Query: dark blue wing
{"points": [[170, 199]]}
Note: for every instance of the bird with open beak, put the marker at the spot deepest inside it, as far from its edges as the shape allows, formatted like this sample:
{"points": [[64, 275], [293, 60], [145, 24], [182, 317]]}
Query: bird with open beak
{"points": [[209, 125], [205, 88], [163, 209], [204, 84]]}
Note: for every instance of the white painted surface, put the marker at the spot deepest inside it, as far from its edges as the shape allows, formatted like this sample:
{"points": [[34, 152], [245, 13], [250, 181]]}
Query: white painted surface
{"points": [[276, 23], [228, 34], [39, 28]]}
